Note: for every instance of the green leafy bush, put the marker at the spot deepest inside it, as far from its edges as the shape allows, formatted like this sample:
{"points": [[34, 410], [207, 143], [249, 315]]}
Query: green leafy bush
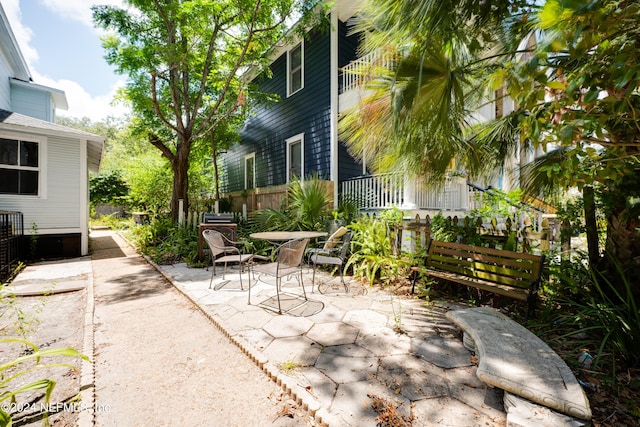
{"points": [[602, 317], [108, 187], [166, 242], [307, 208], [372, 257]]}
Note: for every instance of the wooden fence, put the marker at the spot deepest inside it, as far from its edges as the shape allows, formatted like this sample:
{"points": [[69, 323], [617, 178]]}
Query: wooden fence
{"points": [[266, 197], [528, 234]]}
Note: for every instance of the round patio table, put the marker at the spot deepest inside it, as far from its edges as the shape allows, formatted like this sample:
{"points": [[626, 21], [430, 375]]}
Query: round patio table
{"points": [[279, 236]]}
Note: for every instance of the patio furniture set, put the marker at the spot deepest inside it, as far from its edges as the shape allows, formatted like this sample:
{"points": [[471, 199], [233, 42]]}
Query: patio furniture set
{"points": [[291, 247], [512, 274]]}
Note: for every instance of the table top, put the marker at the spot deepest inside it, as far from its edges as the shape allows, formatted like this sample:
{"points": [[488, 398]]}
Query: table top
{"points": [[287, 235]]}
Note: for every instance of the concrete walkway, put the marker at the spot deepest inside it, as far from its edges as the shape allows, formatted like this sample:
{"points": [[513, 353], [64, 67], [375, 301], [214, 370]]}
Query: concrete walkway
{"points": [[337, 354], [158, 361]]}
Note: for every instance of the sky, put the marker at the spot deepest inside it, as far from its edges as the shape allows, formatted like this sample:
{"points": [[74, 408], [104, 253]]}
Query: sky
{"points": [[63, 51]]}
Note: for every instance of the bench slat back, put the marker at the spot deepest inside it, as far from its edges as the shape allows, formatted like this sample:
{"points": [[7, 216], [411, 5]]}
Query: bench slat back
{"points": [[510, 268]]}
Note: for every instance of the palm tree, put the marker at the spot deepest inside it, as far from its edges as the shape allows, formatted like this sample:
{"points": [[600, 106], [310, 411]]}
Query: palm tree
{"points": [[418, 115], [576, 86]]}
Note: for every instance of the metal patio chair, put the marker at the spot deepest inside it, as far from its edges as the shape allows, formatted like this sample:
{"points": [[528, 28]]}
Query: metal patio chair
{"points": [[336, 257], [288, 263], [225, 251]]}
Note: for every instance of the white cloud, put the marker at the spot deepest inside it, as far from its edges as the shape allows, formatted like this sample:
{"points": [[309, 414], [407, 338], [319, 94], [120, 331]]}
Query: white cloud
{"points": [[81, 103], [22, 34], [77, 10]]}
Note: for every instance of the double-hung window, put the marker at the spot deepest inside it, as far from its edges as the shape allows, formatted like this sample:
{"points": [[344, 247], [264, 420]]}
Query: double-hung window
{"points": [[19, 167], [295, 69], [295, 157]]}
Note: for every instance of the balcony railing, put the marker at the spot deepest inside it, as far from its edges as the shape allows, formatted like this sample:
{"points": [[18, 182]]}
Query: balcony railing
{"points": [[387, 190], [354, 72]]}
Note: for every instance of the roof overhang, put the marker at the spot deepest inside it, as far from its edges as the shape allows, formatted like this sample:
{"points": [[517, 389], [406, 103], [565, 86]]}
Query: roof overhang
{"points": [[21, 123], [59, 97], [345, 9], [11, 49]]}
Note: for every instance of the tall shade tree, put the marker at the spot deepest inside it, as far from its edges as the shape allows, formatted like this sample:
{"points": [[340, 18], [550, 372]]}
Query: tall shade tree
{"points": [[184, 60]]}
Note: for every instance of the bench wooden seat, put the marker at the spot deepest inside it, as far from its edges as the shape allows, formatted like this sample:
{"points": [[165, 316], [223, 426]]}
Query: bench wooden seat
{"points": [[512, 274]]}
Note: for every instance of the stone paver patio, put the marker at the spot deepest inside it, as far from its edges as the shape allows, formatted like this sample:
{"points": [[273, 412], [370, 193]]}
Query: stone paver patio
{"points": [[338, 350]]}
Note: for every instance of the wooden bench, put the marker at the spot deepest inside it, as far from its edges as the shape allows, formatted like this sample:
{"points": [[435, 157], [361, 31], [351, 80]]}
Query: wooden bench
{"points": [[512, 274]]}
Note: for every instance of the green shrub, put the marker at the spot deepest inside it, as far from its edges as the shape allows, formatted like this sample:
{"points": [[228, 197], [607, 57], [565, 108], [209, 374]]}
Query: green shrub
{"points": [[348, 209], [307, 208], [604, 319], [371, 256], [166, 242], [308, 204]]}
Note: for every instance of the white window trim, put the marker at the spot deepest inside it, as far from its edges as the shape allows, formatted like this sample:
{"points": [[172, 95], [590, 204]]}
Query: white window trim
{"points": [[301, 44], [290, 141], [42, 163], [247, 157]]}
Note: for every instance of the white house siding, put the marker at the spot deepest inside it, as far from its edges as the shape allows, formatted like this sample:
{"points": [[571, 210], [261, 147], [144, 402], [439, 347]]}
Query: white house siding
{"points": [[58, 211]]}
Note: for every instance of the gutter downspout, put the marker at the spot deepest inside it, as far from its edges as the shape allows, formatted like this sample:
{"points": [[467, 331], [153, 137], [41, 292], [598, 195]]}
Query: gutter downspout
{"points": [[84, 198], [333, 138]]}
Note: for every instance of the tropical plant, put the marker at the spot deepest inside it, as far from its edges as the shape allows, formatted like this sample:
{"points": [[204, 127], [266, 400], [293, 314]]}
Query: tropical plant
{"points": [[348, 209], [428, 74], [572, 69], [308, 203], [270, 219], [586, 66], [605, 321], [371, 255], [306, 207]]}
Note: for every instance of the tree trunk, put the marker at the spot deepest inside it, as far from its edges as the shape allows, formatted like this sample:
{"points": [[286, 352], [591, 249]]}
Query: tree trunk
{"points": [[591, 226], [180, 166], [622, 249]]}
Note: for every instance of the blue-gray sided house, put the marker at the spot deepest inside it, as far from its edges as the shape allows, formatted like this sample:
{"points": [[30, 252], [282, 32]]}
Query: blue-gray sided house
{"points": [[44, 167], [316, 79], [297, 136]]}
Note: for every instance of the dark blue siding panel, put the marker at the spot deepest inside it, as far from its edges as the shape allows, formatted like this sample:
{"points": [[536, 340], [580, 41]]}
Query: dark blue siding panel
{"points": [[307, 112], [347, 48], [348, 167]]}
